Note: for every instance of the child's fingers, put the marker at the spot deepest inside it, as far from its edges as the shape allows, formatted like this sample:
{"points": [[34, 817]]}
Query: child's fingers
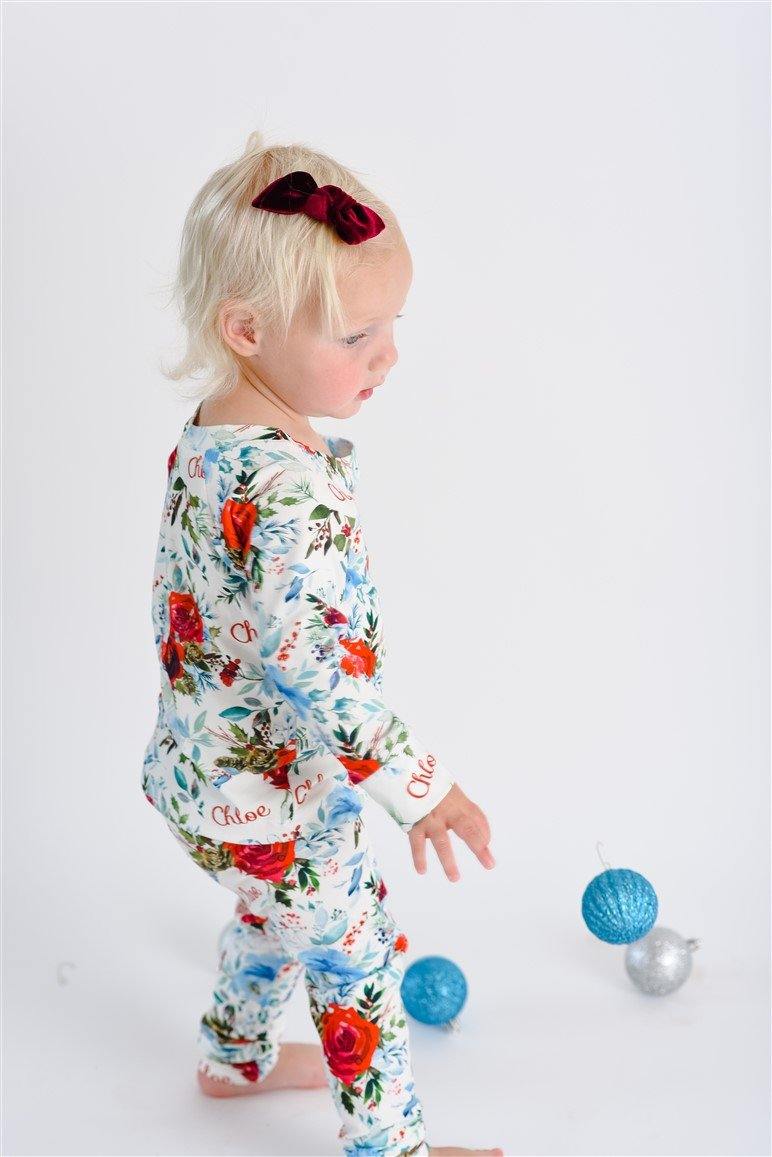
{"points": [[477, 838], [418, 845], [472, 827], [469, 824], [486, 858], [444, 851]]}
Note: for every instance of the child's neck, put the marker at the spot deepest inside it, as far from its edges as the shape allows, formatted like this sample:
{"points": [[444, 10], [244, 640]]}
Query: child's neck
{"points": [[245, 406]]}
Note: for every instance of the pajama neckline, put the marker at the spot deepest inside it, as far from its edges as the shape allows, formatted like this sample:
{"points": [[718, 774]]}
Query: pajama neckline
{"points": [[343, 452]]}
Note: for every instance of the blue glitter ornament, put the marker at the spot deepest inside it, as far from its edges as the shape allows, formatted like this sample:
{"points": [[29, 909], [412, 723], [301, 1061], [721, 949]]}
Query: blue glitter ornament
{"points": [[619, 906], [434, 990]]}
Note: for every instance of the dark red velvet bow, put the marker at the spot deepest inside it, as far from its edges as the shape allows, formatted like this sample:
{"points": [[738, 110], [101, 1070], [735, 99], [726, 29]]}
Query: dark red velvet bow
{"points": [[298, 192]]}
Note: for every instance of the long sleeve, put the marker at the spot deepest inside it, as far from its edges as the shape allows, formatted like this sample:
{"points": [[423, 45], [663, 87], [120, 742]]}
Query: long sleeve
{"points": [[319, 637]]}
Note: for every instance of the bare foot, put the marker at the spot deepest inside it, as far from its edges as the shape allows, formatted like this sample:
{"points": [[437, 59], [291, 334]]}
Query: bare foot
{"points": [[451, 1151], [300, 1066]]}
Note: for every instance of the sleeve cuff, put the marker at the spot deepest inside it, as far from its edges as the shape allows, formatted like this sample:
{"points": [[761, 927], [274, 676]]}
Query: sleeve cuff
{"points": [[409, 789]]}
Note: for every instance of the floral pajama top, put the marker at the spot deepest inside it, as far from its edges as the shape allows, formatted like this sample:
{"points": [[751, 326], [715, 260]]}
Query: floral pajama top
{"points": [[270, 644]]}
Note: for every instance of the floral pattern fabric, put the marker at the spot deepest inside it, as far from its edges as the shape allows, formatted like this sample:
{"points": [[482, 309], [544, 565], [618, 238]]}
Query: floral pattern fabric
{"points": [[314, 906], [270, 726], [270, 642]]}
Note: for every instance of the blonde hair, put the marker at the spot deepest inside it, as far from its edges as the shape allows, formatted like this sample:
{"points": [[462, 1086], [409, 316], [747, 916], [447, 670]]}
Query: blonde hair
{"points": [[275, 263]]}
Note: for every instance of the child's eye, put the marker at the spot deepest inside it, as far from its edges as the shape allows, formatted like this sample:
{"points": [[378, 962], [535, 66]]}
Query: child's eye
{"points": [[355, 338]]}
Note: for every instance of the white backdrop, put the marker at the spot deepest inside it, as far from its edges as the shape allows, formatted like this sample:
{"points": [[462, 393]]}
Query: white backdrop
{"points": [[572, 453]]}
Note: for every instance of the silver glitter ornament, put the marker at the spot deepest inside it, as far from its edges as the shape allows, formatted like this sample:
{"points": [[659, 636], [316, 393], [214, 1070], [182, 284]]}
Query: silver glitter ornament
{"points": [[660, 961]]}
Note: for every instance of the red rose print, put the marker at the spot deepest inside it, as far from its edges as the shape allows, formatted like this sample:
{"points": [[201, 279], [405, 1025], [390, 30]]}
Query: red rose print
{"points": [[229, 672], [185, 618], [277, 775], [360, 660], [382, 889], [170, 461], [400, 944], [332, 615], [349, 1042], [358, 769], [250, 918], [173, 657], [265, 861], [238, 518], [248, 1068]]}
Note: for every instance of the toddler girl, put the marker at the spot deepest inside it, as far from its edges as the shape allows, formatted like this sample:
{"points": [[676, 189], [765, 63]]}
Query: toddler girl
{"points": [[271, 721]]}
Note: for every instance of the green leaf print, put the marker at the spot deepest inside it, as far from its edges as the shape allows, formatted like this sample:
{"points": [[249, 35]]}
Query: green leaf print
{"points": [[197, 772], [373, 1089], [348, 1104], [235, 713], [307, 877], [180, 779]]}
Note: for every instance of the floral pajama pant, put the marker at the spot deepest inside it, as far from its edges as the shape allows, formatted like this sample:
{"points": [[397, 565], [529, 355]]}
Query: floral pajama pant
{"points": [[315, 906]]}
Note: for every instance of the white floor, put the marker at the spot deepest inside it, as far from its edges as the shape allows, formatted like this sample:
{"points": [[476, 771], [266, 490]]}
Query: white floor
{"points": [[106, 974]]}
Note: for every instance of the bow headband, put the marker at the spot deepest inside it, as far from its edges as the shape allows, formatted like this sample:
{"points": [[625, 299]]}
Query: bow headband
{"points": [[298, 192]]}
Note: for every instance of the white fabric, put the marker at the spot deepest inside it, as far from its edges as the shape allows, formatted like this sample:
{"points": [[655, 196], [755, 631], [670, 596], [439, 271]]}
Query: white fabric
{"points": [[270, 640]]}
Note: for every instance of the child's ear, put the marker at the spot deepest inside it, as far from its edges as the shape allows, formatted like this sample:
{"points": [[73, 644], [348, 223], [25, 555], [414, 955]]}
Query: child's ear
{"points": [[237, 328]]}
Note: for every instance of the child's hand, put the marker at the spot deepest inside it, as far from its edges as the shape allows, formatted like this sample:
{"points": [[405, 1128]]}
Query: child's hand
{"points": [[456, 813]]}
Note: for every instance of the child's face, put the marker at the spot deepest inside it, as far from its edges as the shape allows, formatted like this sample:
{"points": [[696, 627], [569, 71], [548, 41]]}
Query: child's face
{"points": [[322, 377]]}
